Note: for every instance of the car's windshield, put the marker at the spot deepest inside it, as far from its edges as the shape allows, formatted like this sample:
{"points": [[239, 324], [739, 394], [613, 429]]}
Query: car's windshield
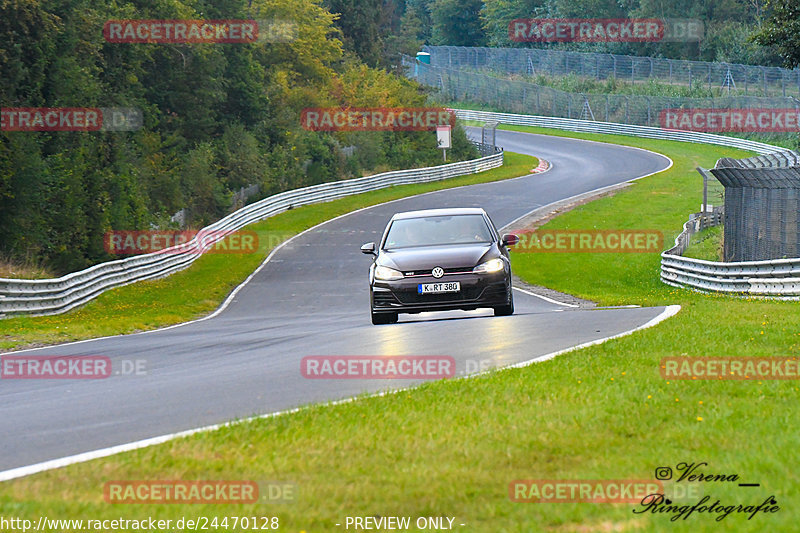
{"points": [[437, 230]]}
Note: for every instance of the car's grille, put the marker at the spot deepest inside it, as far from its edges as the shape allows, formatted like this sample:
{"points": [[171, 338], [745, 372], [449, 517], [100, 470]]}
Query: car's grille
{"points": [[418, 273], [466, 294]]}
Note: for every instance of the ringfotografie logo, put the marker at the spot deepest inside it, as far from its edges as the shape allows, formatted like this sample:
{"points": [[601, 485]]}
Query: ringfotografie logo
{"points": [[687, 475]]}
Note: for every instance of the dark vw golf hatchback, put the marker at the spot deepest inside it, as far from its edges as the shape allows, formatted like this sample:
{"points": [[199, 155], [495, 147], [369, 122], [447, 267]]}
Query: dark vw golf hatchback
{"points": [[439, 259]]}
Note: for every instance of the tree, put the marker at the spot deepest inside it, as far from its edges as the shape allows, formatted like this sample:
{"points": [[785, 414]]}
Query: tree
{"points": [[360, 22], [216, 117], [408, 40], [457, 23], [782, 30], [497, 14]]}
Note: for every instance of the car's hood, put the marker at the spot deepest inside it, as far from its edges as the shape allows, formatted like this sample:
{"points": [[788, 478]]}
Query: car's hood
{"points": [[427, 257]]}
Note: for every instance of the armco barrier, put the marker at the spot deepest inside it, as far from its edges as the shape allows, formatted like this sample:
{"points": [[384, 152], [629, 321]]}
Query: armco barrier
{"points": [[591, 126], [54, 296], [778, 278]]}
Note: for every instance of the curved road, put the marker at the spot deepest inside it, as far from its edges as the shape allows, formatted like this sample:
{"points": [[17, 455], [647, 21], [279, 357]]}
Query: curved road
{"points": [[311, 299]]}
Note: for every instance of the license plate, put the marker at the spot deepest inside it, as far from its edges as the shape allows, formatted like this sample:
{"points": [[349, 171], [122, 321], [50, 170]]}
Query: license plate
{"points": [[437, 288]]}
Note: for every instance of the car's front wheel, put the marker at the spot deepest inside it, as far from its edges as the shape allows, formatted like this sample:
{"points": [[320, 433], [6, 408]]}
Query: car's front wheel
{"points": [[383, 318], [505, 310]]}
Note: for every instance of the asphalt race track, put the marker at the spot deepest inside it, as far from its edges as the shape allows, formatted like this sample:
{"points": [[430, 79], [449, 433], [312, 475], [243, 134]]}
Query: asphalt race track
{"points": [[311, 298]]}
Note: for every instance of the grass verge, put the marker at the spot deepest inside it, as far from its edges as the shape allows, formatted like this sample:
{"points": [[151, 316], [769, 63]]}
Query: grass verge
{"points": [[451, 448], [706, 244], [662, 202], [22, 270], [198, 290]]}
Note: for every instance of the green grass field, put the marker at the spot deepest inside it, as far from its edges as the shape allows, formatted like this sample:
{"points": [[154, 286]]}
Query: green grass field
{"points": [[706, 244], [451, 448]]}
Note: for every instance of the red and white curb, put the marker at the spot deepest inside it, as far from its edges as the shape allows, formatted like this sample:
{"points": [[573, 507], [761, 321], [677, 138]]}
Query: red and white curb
{"points": [[544, 166]]}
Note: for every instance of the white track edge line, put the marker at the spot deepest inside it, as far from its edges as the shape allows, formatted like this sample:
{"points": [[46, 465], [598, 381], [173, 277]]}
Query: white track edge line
{"points": [[545, 298], [229, 299], [105, 452], [52, 464], [235, 291], [669, 311], [671, 162]]}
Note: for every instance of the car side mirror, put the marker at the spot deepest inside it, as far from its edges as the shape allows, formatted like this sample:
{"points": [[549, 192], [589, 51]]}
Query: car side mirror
{"points": [[368, 248], [509, 239]]}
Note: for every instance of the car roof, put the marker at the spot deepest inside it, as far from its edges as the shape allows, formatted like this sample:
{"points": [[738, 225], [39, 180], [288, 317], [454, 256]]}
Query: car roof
{"points": [[439, 212]]}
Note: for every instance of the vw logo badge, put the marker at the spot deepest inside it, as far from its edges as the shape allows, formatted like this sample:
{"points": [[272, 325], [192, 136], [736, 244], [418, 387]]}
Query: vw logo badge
{"points": [[437, 272]]}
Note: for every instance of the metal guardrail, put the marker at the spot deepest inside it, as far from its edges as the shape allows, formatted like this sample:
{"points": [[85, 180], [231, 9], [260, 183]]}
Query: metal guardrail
{"points": [[697, 222], [592, 126], [55, 296], [777, 278], [485, 148]]}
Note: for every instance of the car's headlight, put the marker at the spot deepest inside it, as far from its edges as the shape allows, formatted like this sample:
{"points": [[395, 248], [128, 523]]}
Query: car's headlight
{"points": [[492, 265], [387, 274]]}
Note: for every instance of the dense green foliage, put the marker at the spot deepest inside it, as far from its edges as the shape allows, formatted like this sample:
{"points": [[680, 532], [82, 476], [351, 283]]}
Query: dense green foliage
{"points": [[217, 117], [782, 30], [396, 25], [728, 24], [222, 117]]}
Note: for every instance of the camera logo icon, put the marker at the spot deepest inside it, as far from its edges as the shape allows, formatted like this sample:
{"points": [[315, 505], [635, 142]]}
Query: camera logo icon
{"points": [[663, 473]]}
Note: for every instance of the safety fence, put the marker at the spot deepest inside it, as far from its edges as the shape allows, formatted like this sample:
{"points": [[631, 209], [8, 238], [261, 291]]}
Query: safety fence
{"points": [[777, 278], [519, 96], [729, 77], [762, 202]]}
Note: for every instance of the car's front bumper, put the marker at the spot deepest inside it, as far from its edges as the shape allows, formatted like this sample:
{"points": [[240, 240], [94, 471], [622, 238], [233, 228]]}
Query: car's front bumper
{"points": [[477, 290]]}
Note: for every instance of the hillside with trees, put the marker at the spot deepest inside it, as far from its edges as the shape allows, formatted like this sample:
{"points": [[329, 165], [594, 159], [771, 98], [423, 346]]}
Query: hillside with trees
{"points": [[217, 118], [400, 26], [222, 117]]}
